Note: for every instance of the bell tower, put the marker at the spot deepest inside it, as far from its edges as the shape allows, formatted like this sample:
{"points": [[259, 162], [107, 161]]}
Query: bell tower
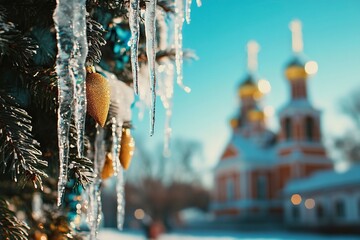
{"points": [[300, 149], [250, 116]]}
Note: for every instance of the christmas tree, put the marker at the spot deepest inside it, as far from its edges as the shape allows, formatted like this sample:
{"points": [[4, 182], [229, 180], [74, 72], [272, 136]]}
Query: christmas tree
{"points": [[57, 60]]}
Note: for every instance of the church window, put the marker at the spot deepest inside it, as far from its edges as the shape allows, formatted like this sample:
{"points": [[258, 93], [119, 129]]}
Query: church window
{"points": [[288, 128], [230, 189], [320, 211], [309, 128], [295, 213], [261, 185], [340, 208]]}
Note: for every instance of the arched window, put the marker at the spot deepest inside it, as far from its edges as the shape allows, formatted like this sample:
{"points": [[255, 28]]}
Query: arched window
{"points": [[309, 128], [230, 190], [319, 211], [340, 209], [295, 212], [288, 128], [261, 186]]}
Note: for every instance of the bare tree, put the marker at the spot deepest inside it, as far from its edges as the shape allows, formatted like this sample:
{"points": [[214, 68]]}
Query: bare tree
{"points": [[164, 186], [349, 143]]}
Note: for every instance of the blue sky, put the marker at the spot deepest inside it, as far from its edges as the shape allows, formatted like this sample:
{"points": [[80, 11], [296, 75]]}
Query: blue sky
{"points": [[219, 31]]}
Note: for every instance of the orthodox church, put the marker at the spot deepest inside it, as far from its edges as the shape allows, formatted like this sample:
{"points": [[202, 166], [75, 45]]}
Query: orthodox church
{"points": [[257, 164]]}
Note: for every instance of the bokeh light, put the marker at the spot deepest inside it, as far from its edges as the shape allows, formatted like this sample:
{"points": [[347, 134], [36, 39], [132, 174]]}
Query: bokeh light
{"points": [[309, 203], [264, 86], [296, 199], [311, 67], [139, 214]]}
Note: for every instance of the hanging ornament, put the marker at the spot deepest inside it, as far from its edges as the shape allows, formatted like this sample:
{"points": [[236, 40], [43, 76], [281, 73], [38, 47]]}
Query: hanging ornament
{"points": [[98, 95], [40, 235], [127, 148], [108, 170]]}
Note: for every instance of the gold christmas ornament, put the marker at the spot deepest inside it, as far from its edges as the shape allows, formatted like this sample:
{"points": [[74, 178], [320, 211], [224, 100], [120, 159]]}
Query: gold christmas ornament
{"points": [[127, 148], [97, 95], [108, 170], [40, 235]]}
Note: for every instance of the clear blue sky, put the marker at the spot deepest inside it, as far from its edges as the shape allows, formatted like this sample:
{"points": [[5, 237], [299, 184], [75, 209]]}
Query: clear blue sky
{"points": [[219, 31]]}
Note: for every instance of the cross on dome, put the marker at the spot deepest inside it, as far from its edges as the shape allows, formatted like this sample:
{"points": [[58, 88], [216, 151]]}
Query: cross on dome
{"points": [[253, 49], [297, 41]]}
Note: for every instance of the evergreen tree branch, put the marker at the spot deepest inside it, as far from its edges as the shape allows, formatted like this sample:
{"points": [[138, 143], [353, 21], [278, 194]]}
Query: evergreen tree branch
{"points": [[43, 88], [20, 154], [10, 227], [80, 168], [15, 47]]}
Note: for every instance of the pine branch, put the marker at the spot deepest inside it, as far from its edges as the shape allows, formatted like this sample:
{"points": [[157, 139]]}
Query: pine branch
{"points": [[20, 154], [80, 169], [15, 47], [10, 227], [43, 88]]}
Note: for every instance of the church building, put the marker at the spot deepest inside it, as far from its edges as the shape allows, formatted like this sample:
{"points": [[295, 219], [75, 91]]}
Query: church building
{"points": [[257, 164]]}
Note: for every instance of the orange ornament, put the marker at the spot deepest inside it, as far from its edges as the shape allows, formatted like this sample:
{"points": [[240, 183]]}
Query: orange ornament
{"points": [[97, 95], [108, 170], [127, 148]]}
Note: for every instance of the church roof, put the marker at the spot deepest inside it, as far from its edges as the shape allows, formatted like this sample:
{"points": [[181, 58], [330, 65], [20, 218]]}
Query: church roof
{"points": [[323, 180], [255, 149], [297, 105]]}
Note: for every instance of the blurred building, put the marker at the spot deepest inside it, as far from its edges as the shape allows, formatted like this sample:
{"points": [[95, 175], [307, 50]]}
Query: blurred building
{"points": [[257, 164], [326, 200]]}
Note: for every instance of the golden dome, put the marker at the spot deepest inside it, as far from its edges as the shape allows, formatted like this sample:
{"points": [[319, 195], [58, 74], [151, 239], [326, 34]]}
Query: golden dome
{"points": [[234, 123], [295, 70], [249, 89], [255, 115]]}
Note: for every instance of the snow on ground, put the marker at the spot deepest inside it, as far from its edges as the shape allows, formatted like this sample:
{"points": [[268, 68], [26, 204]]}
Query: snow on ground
{"points": [[110, 234]]}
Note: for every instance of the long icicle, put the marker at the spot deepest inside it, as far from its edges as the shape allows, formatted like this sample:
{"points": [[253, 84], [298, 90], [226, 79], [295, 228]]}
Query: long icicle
{"points": [[135, 33], [188, 11], [179, 21], [95, 208], [150, 32], [63, 19], [79, 70], [120, 196]]}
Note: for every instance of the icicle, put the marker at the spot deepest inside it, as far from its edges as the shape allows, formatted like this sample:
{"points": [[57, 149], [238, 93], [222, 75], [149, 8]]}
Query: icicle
{"points": [[63, 19], [120, 195], [135, 32], [167, 133], [179, 20], [198, 3], [166, 88], [188, 11], [70, 24], [95, 209], [78, 67], [162, 30], [150, 33], [115, 147]]}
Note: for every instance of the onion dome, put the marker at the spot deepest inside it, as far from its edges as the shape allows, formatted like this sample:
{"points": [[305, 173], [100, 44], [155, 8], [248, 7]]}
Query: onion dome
{"points": [[248, 88], [295, 70], [234, 123], [256, 115]]}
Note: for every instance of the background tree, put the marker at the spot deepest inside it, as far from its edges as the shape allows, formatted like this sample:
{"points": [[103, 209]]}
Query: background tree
{"points": [[349, 144], [162, 187]]}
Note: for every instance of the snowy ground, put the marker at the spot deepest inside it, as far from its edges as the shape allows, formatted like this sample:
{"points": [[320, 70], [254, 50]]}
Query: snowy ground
{"points": [[107, 234]]}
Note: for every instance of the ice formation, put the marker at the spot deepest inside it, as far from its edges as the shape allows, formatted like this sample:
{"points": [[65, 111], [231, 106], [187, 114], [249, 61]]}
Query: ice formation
{"points": [[135, 33], [150, 32], [69, 19]]}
